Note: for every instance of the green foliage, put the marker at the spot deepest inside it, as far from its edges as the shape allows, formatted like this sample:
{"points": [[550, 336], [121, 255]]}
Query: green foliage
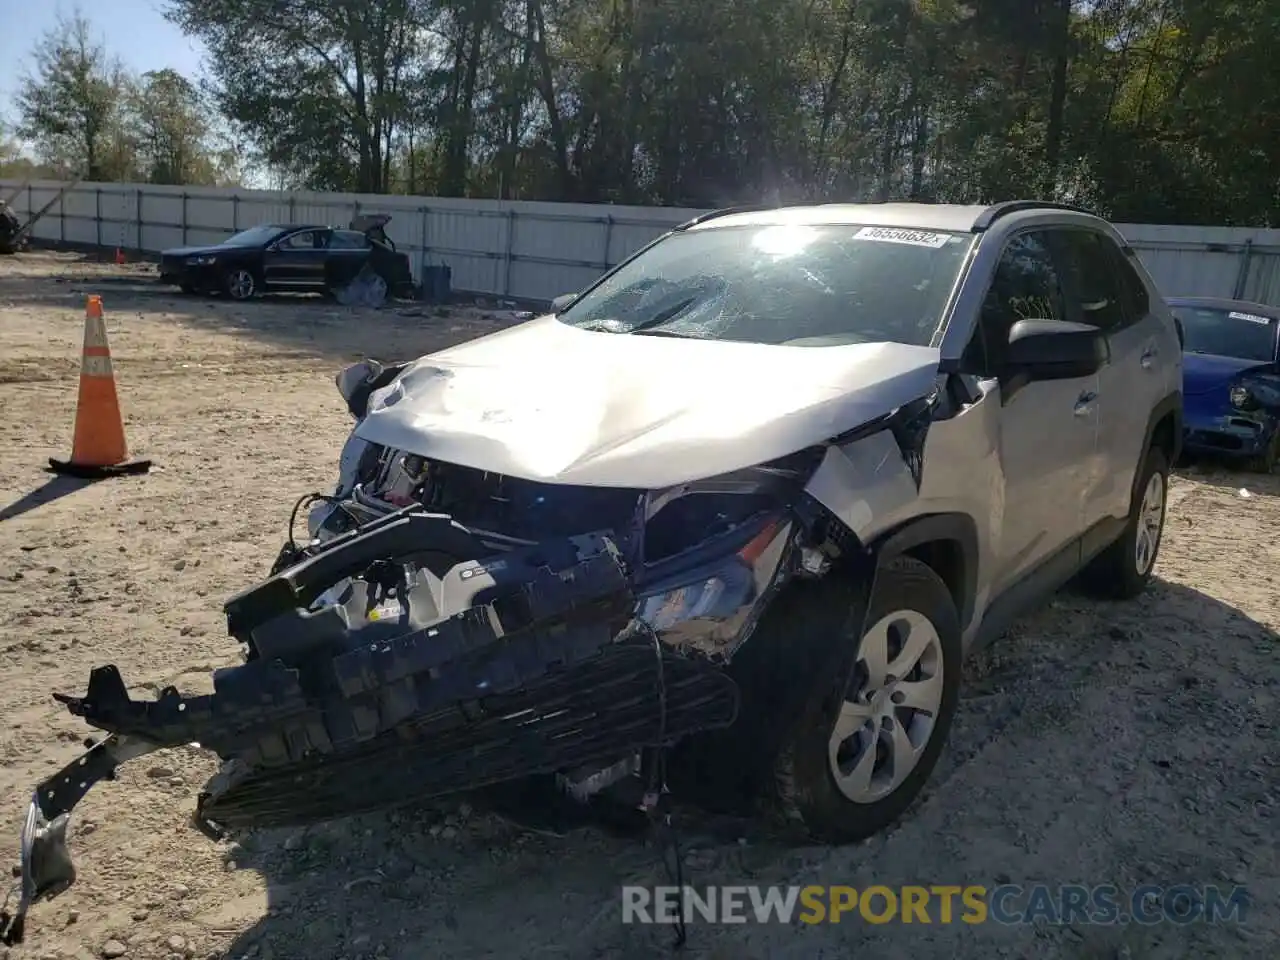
{"points": [[70, 104], [84, 115], [1155, 110]]}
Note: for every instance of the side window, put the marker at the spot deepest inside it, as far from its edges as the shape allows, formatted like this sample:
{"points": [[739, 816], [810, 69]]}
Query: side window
{"points": [[1133, 292], [306, 240], [1091, 278], [348, 240], [1025, 286]]}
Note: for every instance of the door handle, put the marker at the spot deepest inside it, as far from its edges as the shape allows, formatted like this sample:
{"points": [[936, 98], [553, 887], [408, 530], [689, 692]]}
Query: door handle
{"points": [[1149, 357], [1084, 403]]}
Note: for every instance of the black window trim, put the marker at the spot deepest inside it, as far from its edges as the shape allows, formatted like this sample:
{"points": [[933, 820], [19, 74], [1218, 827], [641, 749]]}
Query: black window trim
{"points": [[1068, 301]]}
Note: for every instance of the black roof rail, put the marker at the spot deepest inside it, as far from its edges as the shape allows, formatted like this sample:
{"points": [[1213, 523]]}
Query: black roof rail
{"points": [[724, 212], [758, 208], [998, 210]]}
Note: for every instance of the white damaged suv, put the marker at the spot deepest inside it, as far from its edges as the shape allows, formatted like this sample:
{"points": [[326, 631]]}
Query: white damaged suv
{"points": [[728, 519], [989, 397]]}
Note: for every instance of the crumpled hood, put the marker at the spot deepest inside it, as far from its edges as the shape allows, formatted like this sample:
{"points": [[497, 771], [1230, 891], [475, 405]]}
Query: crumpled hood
{"points": [[545, 401], [1202, 372]]}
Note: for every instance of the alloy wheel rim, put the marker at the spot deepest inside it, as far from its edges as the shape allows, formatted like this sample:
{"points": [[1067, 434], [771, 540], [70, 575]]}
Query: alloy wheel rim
{"points": [[241, 284], [891, 710], [1150, 524]]}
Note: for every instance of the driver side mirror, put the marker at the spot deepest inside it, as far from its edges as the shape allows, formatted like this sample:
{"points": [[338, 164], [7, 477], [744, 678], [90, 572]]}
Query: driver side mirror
{"points": [[1055, 350], [562, 301]]}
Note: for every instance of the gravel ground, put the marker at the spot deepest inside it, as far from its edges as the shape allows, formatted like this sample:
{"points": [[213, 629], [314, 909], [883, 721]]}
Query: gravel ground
{"points": [[1125, 744]]}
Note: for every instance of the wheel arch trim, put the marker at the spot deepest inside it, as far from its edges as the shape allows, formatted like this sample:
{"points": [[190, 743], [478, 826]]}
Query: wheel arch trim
{"points": [[958, 529]]}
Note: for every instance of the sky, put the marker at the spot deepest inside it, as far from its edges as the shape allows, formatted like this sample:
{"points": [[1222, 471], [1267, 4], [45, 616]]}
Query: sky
{"points": [[134, 30]]}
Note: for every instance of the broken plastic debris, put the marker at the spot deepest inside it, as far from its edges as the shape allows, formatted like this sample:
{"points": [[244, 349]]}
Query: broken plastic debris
{"points": [[367, 289], [1244, 494]]}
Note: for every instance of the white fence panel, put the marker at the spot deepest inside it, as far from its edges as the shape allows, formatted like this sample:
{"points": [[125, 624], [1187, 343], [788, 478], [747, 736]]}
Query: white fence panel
{"points": [[1209, 261], [537, 251]]}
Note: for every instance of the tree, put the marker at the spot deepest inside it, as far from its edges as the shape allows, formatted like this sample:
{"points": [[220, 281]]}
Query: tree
{"points": [[172, 130], [317, 84], [1142, 109], [9, 149], [70, 104]]}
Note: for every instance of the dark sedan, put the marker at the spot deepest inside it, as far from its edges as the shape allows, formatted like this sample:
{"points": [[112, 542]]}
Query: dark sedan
{"points": [[296, 258], [1231, 378]]}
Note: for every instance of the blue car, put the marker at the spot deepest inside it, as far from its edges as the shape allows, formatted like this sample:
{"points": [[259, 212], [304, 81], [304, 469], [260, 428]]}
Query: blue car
{"points": [[1230, 379]]}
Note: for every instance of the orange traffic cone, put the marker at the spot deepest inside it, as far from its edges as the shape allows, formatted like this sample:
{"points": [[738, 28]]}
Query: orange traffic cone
{"points": [[120, 261], [98, 449]]}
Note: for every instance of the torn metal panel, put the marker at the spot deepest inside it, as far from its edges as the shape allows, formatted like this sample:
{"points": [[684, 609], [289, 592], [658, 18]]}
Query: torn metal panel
{"points": [[865, 483]]}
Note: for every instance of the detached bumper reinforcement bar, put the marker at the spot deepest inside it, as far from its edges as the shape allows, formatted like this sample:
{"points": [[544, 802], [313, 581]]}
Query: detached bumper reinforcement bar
{"points": [[267, 714]]}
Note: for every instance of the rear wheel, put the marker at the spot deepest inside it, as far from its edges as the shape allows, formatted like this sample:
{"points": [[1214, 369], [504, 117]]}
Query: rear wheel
{"points": [[869, 738], [1122, 571]]}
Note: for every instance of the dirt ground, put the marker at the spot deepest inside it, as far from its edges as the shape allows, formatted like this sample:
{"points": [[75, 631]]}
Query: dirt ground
{"points": [[1128, 744]]}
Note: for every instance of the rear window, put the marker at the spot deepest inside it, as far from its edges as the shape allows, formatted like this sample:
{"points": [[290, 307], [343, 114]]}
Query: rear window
{"points": [[1224, 332], [1094, 281], [348, 240], [1137, 303], [793, 284]]}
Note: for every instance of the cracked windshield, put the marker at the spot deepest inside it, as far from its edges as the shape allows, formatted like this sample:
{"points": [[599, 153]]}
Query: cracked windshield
{"points": [[804, 286]]}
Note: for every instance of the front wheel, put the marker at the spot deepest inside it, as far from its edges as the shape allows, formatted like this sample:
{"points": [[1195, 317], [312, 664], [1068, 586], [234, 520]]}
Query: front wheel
{"points": [[1266, 461], [869, 738], [1123, 570], [240, 283]]}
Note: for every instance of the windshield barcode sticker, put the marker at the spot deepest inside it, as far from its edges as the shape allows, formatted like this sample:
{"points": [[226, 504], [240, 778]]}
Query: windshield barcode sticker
{"points": [[1251, 317], [917, 238]]}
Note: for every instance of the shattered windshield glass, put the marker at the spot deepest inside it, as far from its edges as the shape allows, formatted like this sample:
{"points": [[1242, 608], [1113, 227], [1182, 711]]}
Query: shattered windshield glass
{"points": [[796, 285]]}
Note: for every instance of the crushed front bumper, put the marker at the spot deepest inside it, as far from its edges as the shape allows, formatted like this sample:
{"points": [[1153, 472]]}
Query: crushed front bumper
{"points": [[455, 670], [1230, 436]]}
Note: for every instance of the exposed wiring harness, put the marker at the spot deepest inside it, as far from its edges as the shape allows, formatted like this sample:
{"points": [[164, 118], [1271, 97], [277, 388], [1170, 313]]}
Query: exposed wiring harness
{"points": [[655, 803], [305, 501], [291, 553]]}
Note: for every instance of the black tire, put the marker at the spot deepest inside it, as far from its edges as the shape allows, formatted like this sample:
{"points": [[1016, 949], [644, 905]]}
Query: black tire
{"points": [[236, 286], [806, 788], [1267, 460], [1114, 574]]}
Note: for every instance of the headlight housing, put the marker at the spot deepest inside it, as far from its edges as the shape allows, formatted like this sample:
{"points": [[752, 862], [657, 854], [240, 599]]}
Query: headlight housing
{"points": [[204, 261], [679, 519], [1241, 398]]}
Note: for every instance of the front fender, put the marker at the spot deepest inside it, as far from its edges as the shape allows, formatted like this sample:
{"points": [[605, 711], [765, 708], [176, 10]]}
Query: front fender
{"points": [[1170, 408], [948, 543]]}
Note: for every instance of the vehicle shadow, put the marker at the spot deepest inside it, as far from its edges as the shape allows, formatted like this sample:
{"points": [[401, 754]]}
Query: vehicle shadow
{"points": [[461, 884], [296, 322], [1229, 475]]}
